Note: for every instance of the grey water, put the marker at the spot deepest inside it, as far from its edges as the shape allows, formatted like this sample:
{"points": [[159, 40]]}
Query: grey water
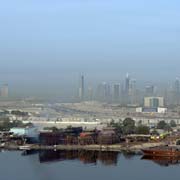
{"points": [[76, 165]]}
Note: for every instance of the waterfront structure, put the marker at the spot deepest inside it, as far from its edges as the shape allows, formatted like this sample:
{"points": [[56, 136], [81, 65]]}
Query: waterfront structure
{"points": [[29, 131]]}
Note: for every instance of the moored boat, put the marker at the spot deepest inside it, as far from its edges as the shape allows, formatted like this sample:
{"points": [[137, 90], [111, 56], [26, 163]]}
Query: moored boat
{"points": [[162, 151]]}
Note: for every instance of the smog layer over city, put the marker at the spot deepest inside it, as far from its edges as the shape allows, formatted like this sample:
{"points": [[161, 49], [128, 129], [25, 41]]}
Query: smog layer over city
{"points": [[89, 88]]}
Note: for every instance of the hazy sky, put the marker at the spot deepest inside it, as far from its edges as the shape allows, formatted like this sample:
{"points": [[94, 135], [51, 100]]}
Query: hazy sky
{"points": [[51, 41]]}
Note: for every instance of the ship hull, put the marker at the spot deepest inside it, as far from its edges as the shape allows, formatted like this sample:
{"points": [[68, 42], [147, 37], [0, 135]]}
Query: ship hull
{"points": [[162, 152]]}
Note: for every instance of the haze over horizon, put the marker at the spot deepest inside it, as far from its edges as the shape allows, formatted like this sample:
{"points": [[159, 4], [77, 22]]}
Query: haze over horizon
{"points": [[45, 45]]}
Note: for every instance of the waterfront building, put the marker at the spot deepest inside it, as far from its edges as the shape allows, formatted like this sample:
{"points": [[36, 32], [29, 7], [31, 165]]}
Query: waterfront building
{"points": [[29, 131]]}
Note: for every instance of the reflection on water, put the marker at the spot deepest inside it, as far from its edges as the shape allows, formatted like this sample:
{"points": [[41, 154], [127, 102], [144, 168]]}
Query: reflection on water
{"points": [[93, 157], [163, 161], [86, 157]]}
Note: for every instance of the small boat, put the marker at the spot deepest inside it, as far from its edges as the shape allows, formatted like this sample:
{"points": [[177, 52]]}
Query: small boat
{"points": [[26, 147], [164, 151]]}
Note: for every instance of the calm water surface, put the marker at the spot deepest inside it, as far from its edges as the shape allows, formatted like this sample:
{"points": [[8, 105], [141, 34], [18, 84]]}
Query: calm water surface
{"points": [[74, 165]]}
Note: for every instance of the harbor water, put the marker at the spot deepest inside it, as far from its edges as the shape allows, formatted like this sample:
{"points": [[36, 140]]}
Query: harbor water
{"points": [[89, 165]]}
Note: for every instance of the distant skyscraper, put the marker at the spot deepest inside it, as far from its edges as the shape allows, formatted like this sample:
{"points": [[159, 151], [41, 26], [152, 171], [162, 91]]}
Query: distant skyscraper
{"points": [[90, 93], [127, 84], [116, 92], [149, 90], [126, 99], [4, 90], [132, 85], [132, 92], [176, 91], [104, 92], [177, 86], [81, 88]]}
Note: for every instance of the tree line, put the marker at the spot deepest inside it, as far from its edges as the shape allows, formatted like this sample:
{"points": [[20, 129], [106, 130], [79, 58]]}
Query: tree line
{"points": [[128, 126]]}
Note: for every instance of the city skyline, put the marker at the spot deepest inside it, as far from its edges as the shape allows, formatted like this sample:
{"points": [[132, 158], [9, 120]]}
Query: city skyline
{"points": [[45, 46], [126, 91]]}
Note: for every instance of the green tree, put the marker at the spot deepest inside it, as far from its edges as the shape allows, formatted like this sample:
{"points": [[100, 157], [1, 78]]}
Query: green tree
{"points": [[161, 125], [128, 126], [154, 132], [129, 122], [118, 128], [168, 128], [173, 123], [141, 129], [112, 123], [6, 125]]}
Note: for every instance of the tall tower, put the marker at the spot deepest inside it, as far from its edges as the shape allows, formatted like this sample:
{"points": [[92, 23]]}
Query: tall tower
{"points": [[4, 91], [116, 92], [127, 84], [133, 91], [177, 86], [176, 91], [90, 93], [149, 90], [104, 92], [127, 90], [81, 88]]}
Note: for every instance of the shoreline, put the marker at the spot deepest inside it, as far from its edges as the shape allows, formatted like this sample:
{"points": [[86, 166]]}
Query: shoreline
{"points": [[115, 147]]}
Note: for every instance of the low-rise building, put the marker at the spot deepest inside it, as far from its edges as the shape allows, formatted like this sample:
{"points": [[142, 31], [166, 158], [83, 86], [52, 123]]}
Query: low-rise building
{"points": [[160, 110], [28, 132]]}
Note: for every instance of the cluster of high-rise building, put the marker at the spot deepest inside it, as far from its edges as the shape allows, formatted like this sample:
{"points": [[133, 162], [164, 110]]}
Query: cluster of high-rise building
{"points": [[127, 93], [122, 93]]}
